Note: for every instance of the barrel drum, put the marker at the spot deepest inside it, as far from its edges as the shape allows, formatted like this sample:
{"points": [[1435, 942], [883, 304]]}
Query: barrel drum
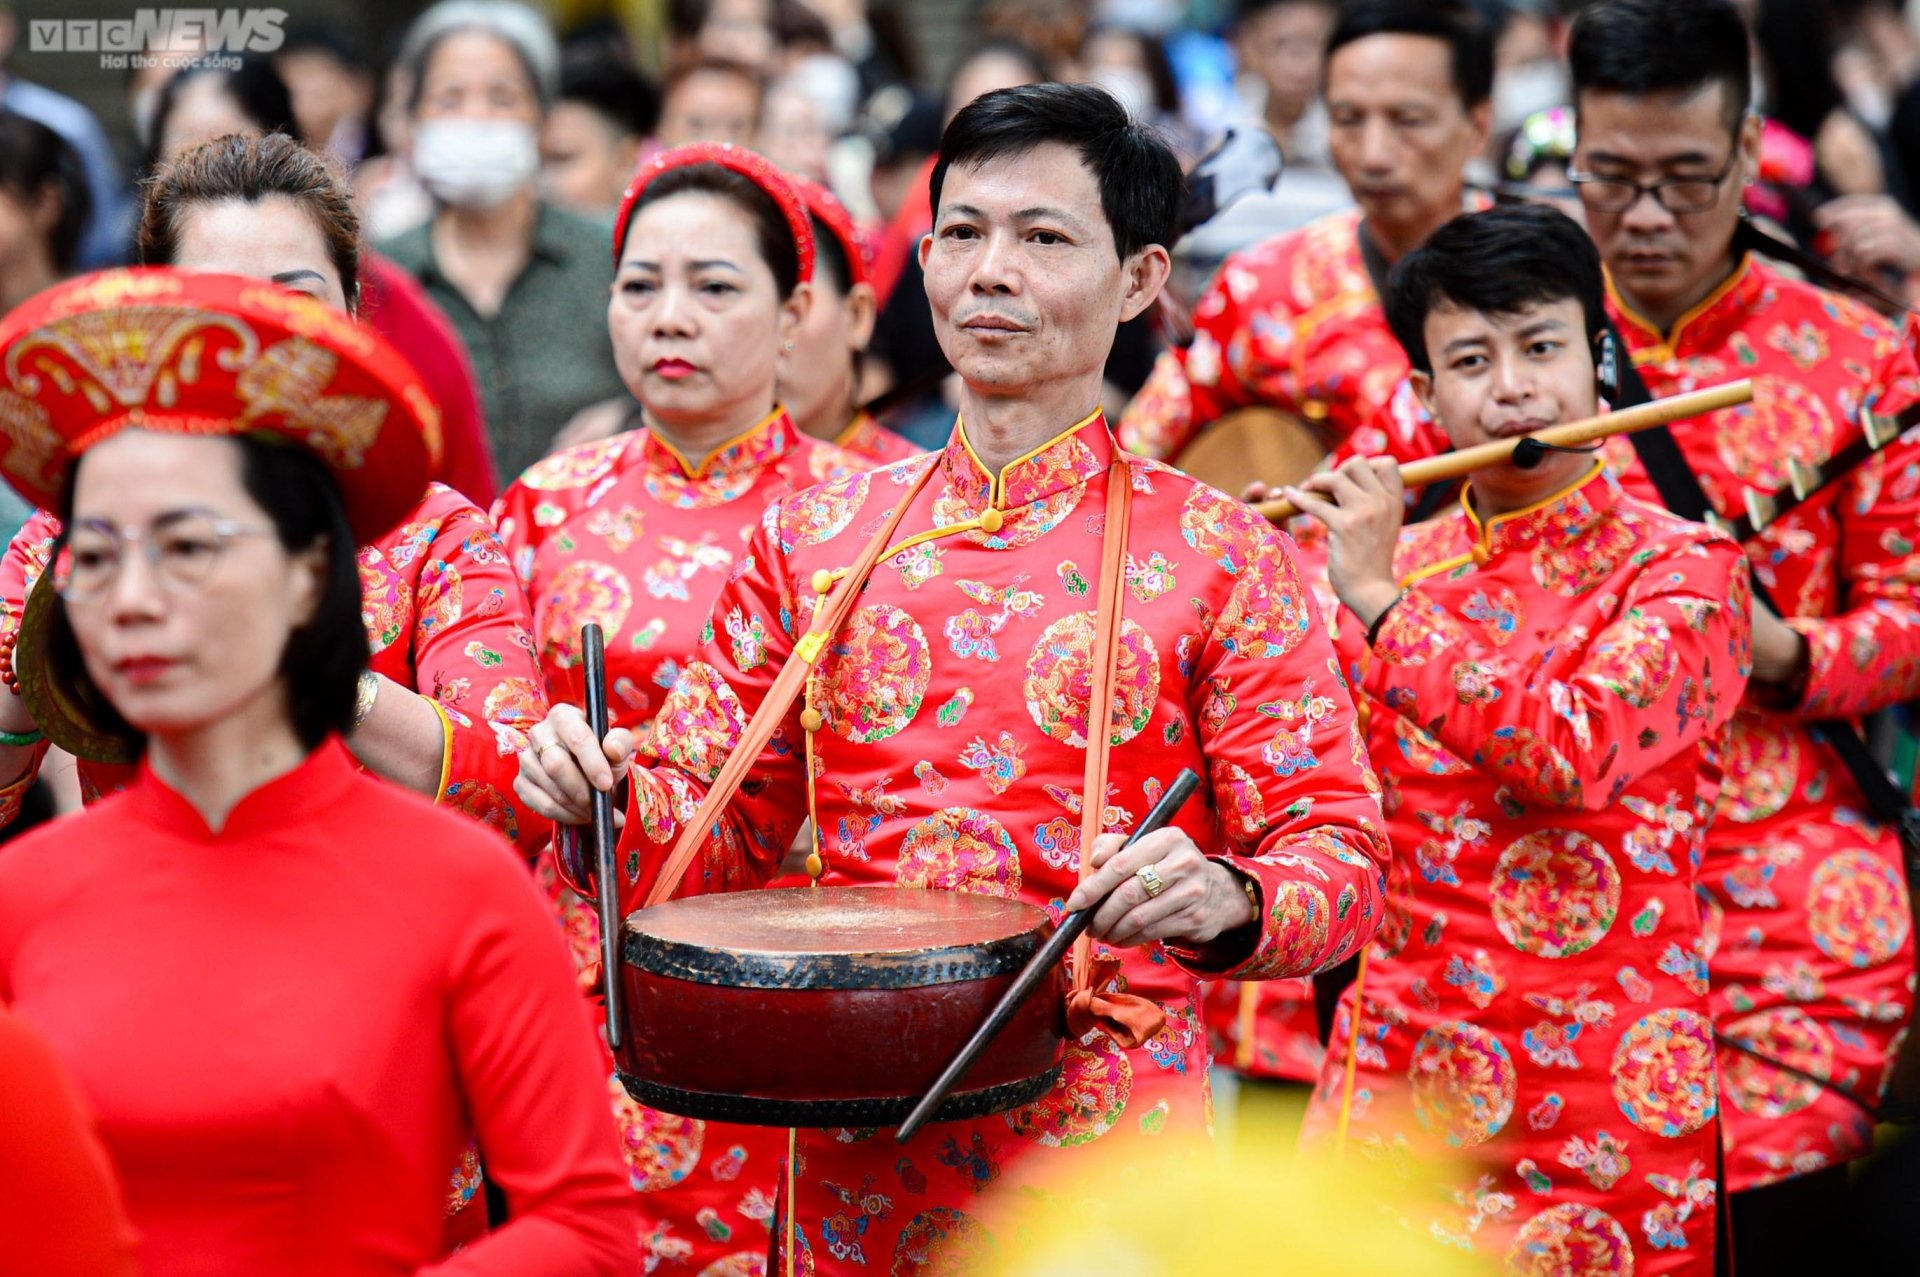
{"points": [[832, 1006]]}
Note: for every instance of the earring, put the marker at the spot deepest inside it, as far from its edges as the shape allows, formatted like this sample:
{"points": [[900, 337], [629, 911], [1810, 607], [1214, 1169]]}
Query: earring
{"points": [[1609, 371], [788, 347]]}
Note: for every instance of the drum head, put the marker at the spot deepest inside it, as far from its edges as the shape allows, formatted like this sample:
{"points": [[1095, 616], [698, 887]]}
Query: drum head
{"points": [[835, 938]]}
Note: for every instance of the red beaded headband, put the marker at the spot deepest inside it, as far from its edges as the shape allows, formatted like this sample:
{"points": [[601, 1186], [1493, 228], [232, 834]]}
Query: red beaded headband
{"points": [[754, 167], [826, 206]]}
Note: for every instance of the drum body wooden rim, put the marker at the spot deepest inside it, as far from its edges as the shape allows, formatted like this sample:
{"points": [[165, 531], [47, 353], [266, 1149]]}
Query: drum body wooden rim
{"points": [[832, 1006]]}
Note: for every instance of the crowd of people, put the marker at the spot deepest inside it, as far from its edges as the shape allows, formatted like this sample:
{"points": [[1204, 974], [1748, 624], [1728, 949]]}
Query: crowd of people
{"points": [[1552, 861]]}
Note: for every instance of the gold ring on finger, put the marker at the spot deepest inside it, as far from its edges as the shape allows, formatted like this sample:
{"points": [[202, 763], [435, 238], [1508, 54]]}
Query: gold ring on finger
{"points": [[1150, 879]]}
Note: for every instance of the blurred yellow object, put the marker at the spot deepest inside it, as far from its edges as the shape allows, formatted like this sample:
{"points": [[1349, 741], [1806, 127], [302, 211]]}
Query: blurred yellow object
{"points": [[1201, 1210]]}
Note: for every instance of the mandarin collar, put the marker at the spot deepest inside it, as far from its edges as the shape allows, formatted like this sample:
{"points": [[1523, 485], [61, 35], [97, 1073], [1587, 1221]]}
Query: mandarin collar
{"points": [[311, 790], [1709, 323], [760, 445], [1566, 513], [1069, 459]]}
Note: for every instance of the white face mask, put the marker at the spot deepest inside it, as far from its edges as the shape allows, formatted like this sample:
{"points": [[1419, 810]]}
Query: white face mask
{"points": [[475, 164]]}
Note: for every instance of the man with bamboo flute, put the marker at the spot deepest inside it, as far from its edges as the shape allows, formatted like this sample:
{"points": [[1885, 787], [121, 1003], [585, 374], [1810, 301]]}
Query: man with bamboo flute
{"points": [[1804, 879], [944, 740], [1547, 668], [1814, 959]]}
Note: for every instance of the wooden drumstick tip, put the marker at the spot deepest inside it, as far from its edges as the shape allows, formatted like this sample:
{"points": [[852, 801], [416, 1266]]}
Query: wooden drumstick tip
{"points": [[1452, 465]]}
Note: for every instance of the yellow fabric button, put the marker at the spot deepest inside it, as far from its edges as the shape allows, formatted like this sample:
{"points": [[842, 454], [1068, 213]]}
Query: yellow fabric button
{"points": [[822, 581], [991, 521], [815, 865], [810, 719]]}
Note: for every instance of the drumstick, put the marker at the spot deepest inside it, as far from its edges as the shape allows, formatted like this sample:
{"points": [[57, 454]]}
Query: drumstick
{"points": [[1040, 964], [1451, 465], [606, 884]]}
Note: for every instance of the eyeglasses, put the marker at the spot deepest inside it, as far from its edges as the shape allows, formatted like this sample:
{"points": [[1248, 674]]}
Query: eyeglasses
{"points": [[183, 552], [1675, 194]]}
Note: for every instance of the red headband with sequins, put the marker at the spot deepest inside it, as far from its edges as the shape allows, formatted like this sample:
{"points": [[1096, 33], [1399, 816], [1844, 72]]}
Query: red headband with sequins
{"points": [[826, 206], [754, 167]]}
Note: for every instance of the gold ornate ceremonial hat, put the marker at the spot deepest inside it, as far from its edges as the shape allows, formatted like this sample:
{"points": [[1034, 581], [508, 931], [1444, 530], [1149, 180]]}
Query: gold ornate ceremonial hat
{"points": [[172, 351], [189, 353]]}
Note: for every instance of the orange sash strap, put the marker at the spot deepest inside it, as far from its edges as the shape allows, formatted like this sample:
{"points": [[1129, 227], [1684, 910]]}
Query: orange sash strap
{"points": [[1127, 1018], [779, 699]]}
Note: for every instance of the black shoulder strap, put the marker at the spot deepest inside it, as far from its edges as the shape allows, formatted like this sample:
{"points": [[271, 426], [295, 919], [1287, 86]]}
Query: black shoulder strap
{"points": [[1678, 486], [1749, 238], [1680, 492]]}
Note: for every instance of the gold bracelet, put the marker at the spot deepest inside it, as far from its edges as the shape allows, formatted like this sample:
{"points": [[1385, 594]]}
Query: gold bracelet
{"points": [[363, 699]]}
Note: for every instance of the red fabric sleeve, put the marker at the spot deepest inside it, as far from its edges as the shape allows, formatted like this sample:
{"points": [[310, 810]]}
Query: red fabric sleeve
{"points": [[60, 1209], [698, 727], [395, 305], [1305, 824], [1867, 657], [1309, 835], [1666, 672], [25, 559], [533, 1083], [469, 656]]}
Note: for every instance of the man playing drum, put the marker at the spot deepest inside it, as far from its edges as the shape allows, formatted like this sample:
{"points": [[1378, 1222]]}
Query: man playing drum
{"points": [[942, 740]]}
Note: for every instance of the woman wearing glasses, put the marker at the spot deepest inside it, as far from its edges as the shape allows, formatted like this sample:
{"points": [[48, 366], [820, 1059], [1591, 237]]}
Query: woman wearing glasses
{"points": [[450, 689], [288, 1030]]}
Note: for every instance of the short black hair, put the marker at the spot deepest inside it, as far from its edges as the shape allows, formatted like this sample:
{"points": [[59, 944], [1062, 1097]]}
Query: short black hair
{"points": [[1497, 263], [1796, 44], [1139, 178], [33, 158], [770, 230], [1458, 25], [1642, 47], [612, 90], [324, 658]]}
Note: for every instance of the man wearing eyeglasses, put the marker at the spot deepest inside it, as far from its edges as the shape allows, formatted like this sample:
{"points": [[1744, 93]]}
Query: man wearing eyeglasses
{"points": [[1814, 955]]}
